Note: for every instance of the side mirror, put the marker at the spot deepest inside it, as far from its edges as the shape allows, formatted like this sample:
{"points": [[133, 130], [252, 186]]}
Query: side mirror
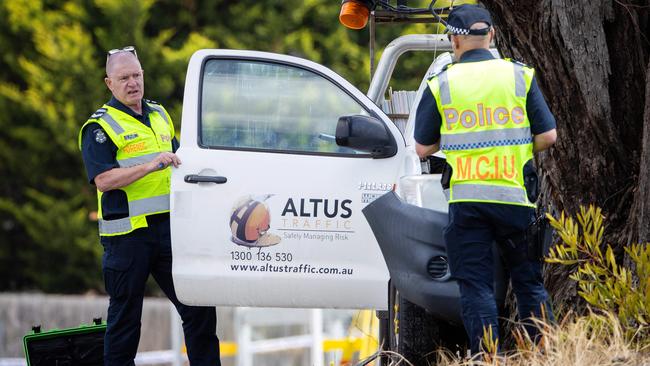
{"points": [[366, 133]]}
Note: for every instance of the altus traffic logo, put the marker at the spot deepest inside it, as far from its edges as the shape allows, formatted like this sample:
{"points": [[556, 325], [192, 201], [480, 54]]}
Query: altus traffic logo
{"points": [[250, 222]]}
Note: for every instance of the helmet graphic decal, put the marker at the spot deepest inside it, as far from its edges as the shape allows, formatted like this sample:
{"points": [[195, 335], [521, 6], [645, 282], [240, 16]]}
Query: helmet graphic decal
{"points": [[250, 221]]}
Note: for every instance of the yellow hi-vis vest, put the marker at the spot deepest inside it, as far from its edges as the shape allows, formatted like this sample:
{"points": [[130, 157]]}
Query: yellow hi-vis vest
{"points": [[136, 144], [485, 132]]}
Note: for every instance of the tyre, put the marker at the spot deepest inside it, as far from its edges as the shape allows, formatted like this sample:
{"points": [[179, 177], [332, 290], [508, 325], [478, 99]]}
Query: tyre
{"points": [[416, 334]]}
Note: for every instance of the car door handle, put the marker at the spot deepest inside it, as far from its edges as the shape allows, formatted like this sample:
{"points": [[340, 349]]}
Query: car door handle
{"points": [[195, 178]]}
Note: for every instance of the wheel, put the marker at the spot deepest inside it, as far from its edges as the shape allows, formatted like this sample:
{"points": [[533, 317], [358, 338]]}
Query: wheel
{"points": [[416, 334]]}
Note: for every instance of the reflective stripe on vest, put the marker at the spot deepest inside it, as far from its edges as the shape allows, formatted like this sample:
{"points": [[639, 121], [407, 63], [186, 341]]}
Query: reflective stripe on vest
{"points": [[520, 81], [488, 193], [115, 226], [160, 111], [475, 140], [144, 206], [126, 163], [114, 125], [149, 205], [445, 95]]}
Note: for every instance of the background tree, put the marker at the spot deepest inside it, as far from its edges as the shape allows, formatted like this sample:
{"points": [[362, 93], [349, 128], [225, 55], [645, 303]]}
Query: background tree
{"points": [[48, 70], [592, 63], [51, 80]]}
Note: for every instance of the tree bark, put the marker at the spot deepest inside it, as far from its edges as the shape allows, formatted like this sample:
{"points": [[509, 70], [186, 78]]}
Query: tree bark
{"points": [[642, 194], [591, 61]]}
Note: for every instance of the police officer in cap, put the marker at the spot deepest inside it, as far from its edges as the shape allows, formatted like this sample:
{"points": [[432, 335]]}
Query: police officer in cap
{"points": [[488, 116], [128, 149]]}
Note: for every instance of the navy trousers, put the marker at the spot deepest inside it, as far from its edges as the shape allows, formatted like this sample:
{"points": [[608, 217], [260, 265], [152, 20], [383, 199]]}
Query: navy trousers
{"points": [[128, 260], [472, 230]]}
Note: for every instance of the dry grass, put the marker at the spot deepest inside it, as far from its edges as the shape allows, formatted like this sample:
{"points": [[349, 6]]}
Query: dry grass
{"points": [[590, 340]]}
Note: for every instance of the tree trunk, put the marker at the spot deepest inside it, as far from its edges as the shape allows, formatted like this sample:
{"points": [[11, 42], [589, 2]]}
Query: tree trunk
{"points": [[591, 61], [642, 195]]}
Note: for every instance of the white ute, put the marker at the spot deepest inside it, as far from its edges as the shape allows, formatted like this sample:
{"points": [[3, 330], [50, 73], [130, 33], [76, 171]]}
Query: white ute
{"points": [[266, 209]]}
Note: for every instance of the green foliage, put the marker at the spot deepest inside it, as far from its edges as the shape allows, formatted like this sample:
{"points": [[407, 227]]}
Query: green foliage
{"points": [[602, 282], [51, 80]]}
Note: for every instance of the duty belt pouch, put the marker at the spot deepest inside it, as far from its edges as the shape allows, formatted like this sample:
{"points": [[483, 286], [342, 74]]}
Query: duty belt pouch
{"points": [[539, 237], [531, 181], [446, 176], [79, 346]]}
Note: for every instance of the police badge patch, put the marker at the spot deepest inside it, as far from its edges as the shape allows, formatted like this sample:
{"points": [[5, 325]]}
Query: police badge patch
{"points": [[100, 136]]}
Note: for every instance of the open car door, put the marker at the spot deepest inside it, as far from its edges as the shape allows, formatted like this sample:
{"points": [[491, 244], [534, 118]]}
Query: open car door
{"points": [[266, 207]]}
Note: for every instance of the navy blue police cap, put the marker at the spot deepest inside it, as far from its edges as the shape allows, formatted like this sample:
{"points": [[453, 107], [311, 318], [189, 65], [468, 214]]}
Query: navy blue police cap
{"points": [[462, 17]]}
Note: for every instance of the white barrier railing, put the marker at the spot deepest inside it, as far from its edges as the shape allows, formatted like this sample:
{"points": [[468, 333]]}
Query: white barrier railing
{"points": [[247, 319], [248, 322]]}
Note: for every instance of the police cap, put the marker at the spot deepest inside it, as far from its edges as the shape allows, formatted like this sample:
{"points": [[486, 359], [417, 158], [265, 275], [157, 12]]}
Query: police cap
{"points": [[462, 17]]}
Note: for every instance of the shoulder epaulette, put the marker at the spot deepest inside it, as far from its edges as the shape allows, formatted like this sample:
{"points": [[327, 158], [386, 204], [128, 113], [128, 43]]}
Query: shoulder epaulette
{"points": [[444, 68], [517, 62], [151, 101], [98, 113]]}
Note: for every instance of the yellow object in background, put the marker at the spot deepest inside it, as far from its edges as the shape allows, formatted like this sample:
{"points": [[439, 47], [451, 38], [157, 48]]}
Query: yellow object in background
{"points": [[362, 340], [228, 349]]}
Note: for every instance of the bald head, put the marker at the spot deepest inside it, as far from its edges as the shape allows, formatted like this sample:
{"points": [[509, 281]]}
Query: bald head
{"points": [[119, 58], [124, 78]]}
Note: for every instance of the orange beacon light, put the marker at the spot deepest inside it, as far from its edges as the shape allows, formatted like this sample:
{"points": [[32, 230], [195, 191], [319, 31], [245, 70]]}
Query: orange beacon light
{"points": [[354, 13]]}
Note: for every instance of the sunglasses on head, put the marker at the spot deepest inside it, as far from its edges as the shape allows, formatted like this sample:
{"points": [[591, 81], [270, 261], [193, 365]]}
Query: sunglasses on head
{"points": [[130, 49]]}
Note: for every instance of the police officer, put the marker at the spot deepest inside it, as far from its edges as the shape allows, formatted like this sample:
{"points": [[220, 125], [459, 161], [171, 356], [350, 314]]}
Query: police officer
{"points": [[488, 116], [128, 149]]}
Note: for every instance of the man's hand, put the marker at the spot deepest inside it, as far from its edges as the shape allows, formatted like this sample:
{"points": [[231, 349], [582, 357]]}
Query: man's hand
{"points": [[163, 160], [120, 177]]}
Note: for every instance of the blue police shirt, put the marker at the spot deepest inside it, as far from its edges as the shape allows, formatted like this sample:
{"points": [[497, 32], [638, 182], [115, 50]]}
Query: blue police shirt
{"points": [[99, 154], [428, 119]]}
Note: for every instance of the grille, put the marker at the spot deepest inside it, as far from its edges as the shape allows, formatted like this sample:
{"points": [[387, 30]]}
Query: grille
{"points": [[438, 267]]}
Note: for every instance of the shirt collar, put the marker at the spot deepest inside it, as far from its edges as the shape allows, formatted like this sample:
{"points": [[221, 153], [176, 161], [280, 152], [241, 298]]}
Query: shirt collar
{"points": [[478, 54], [121, 107]]}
